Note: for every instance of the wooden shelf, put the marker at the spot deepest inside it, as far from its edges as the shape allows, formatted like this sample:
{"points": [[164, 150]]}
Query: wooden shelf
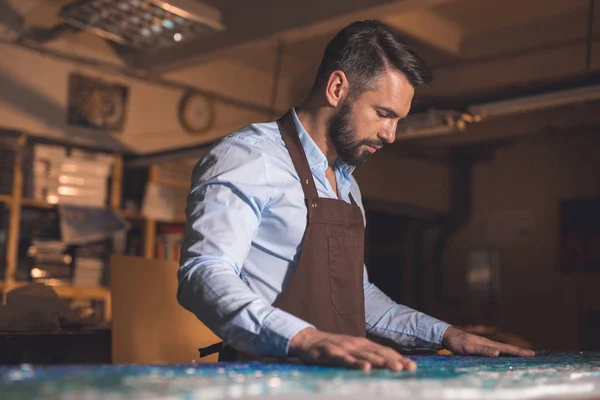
{"points": [[74, 293], [69, 291], [37, 203], [138, 216], [4, 198], [82, 292], [176, 220], [132, 215]]}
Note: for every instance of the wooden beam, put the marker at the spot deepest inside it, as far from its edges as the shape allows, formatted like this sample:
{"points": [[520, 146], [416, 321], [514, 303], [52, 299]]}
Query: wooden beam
{"points": [[117, 183], [73, 292], [12, 246], [150, 224]]}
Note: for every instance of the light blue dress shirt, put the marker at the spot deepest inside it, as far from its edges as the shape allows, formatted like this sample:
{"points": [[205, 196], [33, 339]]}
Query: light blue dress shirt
{"points": [[246, 217]]}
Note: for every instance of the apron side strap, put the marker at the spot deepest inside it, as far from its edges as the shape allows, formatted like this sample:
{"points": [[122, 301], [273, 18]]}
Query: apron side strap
{"points": [[212, 349]]}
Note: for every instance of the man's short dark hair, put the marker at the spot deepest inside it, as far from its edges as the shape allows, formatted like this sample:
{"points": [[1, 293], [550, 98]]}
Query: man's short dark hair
{"points": [[364, 50]]}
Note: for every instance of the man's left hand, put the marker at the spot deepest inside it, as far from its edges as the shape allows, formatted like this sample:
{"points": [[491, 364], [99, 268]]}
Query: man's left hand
{"points": [[460, 342]]}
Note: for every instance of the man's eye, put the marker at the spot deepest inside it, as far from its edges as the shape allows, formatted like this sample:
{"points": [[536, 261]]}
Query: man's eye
{"points": [[381, 115]]}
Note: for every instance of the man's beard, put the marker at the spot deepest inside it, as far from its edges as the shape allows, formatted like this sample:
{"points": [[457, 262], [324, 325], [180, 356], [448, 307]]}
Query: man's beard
{"points": [[343, 135]]}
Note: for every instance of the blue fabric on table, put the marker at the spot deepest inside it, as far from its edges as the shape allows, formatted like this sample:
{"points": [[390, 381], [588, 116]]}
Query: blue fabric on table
{"points": [[569, 373]]}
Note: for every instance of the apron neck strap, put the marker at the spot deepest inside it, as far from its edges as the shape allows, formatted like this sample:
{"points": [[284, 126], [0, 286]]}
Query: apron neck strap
{"points": [[294, 147]]}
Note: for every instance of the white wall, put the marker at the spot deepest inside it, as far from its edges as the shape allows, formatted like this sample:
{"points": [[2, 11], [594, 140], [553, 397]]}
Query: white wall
{"points": [[33, 97]]}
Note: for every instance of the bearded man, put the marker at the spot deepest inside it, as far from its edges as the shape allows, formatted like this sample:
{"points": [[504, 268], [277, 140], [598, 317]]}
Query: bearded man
{"points": [[273, 256]]}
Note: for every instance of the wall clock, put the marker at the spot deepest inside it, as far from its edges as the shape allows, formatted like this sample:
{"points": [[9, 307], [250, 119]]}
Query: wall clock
{"points": [[196, 112]]}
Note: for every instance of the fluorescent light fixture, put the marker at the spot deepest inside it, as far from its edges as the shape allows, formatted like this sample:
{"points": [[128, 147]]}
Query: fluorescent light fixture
{"points": [[432, 122], [144, 23], [535, 102], [439, 122]]}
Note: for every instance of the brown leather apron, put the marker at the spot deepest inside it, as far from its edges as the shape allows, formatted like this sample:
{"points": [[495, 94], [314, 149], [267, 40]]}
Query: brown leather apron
{"points": [[326, 289]]}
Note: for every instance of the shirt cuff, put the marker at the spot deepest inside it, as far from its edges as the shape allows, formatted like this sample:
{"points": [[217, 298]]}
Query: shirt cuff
{"points": [[279, 327], [432, 330]]}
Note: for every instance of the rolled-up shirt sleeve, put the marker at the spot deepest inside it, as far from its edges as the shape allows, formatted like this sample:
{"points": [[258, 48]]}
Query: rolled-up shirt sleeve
{"points": [[229, 192], [408, 328]]}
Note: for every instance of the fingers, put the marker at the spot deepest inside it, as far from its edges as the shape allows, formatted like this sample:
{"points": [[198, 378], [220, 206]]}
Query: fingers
{"points": [[512, 350], [368, 355], [336, 355], [380, 360], [472, 344], [409, 364], [358, 353], [494, 349], [394, 360], [381, 356], [488, 351]]}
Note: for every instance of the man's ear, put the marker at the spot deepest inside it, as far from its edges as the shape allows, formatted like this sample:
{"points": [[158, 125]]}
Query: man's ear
{"points": [[337, 88]]}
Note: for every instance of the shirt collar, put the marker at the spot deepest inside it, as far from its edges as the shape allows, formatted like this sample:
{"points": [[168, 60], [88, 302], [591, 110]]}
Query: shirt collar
{"points": [[314, 155]]}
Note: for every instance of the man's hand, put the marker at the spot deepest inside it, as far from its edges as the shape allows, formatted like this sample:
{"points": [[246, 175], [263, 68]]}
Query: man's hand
{"points": [[460, 342], [317, 347]]}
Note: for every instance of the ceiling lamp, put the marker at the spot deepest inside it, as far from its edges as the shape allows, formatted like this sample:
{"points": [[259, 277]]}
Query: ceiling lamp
{"points": [[143, 24]]}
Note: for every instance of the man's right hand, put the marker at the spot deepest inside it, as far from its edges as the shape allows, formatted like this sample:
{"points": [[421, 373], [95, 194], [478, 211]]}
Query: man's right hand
{"points": [[317, 347]]}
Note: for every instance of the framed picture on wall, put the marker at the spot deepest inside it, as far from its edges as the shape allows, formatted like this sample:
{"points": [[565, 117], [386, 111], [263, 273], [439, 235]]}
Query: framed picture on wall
{"points": [[94, 103], [580, 235]]}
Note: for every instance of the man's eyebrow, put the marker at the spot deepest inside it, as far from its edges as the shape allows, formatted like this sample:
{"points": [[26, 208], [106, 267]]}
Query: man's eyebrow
{"points": [[391, 113]]}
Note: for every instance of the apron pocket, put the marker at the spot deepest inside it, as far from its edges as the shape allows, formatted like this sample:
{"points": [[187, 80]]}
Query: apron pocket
{"points": [[346, 260]]}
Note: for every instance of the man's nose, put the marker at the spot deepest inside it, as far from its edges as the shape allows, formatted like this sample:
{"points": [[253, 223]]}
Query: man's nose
{"points": [[388, 133]]}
